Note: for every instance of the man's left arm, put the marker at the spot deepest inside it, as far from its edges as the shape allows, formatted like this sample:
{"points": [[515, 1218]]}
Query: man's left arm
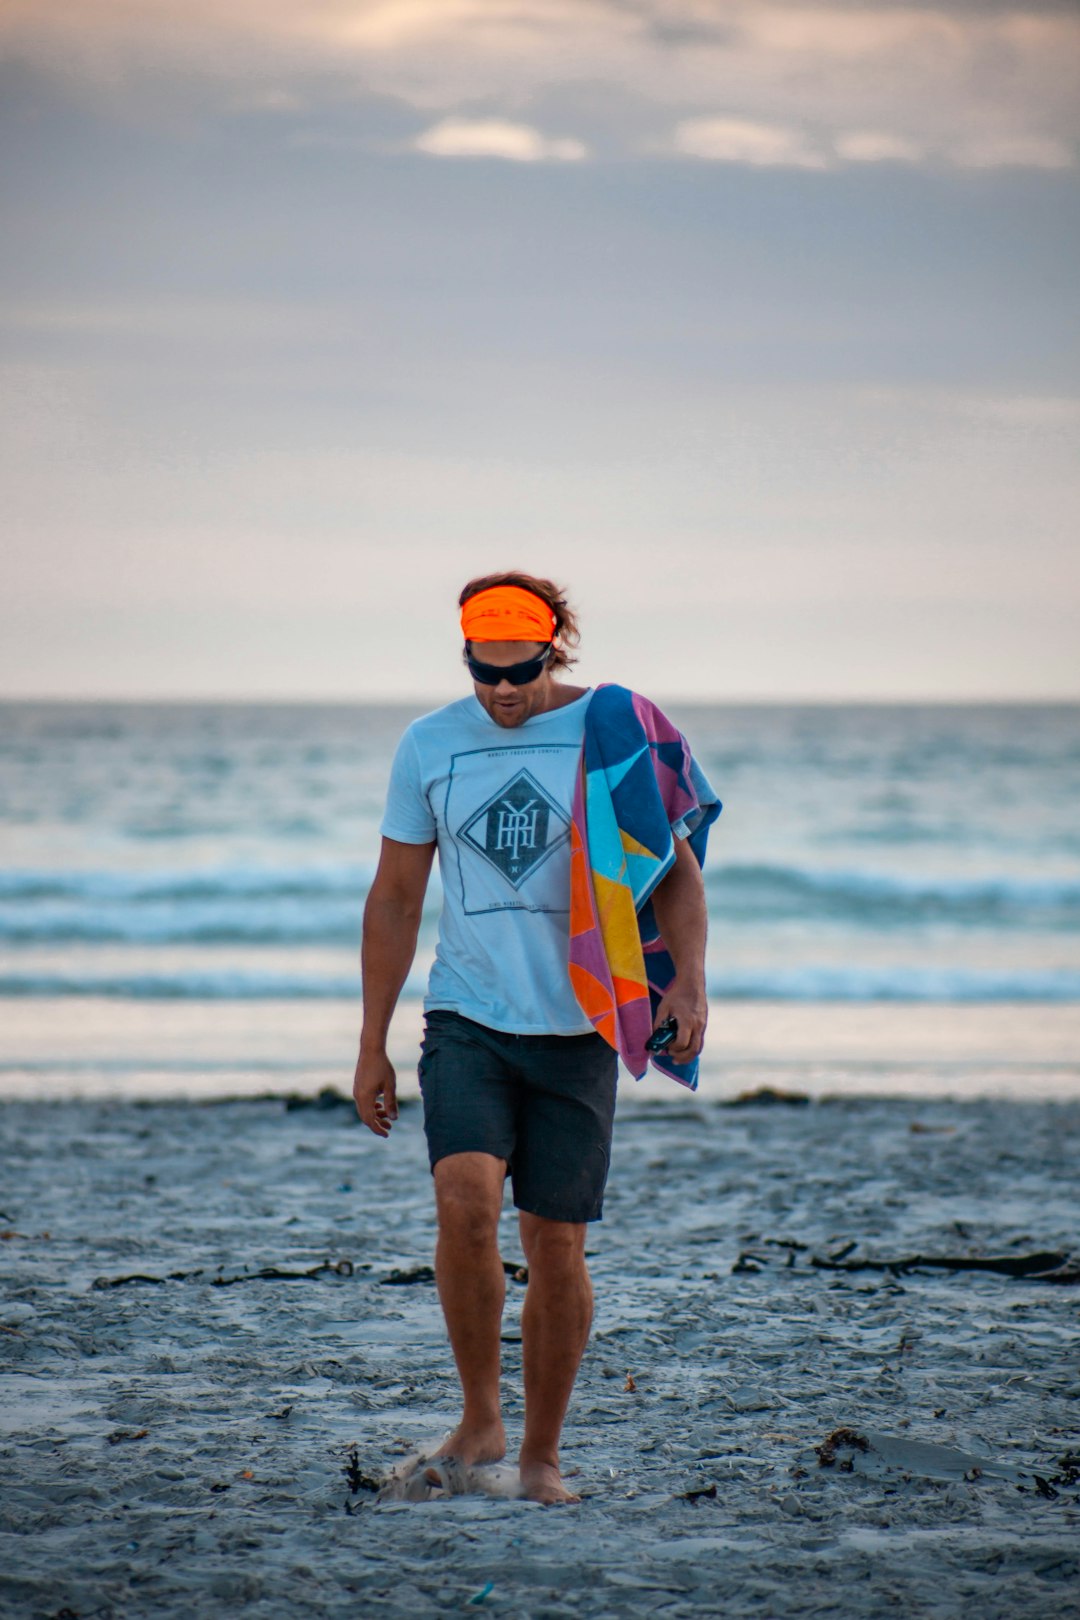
{"points": [[679, 905]]}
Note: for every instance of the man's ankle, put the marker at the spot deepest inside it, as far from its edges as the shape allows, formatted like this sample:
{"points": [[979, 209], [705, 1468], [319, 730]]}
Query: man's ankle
{"points": [[538, 1456], [476, 1423]]}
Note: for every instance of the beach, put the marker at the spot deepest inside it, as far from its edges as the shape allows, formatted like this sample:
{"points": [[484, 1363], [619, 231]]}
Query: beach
{"points": [[746, 326], [220, 1334]]}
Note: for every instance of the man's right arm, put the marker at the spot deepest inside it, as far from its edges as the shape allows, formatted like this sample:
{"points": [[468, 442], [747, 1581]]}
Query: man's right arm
{"points": [[391, 925]]}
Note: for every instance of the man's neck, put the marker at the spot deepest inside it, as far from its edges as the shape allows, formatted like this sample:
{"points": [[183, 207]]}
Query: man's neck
{"points": [[562, 695]]}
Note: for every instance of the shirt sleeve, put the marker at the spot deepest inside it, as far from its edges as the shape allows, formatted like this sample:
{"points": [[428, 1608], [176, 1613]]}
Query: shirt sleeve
{"points": [[408, 818]]}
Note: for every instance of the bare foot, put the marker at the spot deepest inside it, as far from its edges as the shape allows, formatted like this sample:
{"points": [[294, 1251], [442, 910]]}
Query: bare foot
{"points": [[542, 1482], [483, 1444]]}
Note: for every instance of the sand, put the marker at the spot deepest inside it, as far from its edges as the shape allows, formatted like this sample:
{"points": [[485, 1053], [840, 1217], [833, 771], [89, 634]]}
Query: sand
{"points": [[206, 1441]]}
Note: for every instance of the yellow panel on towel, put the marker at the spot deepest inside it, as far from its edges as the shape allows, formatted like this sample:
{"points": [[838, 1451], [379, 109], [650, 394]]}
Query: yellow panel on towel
{"points": [[632, 847], [619, 929]]}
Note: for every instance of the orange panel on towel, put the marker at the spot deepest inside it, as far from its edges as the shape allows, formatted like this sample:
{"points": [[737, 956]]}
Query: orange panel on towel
{"points": [[627, 990], [581, 906], [593, 997]]}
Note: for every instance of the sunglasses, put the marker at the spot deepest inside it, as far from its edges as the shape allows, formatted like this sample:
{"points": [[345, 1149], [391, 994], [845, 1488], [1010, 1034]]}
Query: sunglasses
{"points": [[517, 674]]}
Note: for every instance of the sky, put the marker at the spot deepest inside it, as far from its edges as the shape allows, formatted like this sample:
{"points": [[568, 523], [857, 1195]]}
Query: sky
{"points": [[754, 324]]}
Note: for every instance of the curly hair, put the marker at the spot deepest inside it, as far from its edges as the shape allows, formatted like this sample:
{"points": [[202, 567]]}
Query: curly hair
{"points": [[566, 625]]}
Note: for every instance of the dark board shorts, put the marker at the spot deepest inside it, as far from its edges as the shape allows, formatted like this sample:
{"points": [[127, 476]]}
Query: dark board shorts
{"points": [[544, 1103]]}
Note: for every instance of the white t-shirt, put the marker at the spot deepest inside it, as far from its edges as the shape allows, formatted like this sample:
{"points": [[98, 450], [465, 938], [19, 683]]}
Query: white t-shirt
{"points": [[498, 800]]}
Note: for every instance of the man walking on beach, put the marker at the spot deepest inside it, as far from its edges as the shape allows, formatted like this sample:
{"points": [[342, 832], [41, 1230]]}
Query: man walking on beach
{"points": [[515, 1079]]}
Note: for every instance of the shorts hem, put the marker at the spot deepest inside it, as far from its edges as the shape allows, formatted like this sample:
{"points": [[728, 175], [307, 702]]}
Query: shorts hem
{"points": [[449, 1152], [568, 1220]]}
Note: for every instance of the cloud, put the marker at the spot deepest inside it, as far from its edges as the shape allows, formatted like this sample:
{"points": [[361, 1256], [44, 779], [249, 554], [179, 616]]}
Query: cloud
{"points": [[806, 83], [737, 140], [495, 138], [876, 146]]}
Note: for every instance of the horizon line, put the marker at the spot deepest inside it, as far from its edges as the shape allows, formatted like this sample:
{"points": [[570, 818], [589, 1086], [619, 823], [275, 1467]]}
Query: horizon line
{"points": [[222, 700]]}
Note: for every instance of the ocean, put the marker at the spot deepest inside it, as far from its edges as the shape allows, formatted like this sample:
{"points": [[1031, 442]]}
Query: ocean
{"points": [[181, 885]]}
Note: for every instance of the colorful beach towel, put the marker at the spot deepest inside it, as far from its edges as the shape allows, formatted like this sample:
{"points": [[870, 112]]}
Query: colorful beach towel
{"points": [[638, 789]]}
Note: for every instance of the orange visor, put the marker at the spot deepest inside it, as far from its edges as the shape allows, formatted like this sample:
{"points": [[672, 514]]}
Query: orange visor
{"points": [[507, 613]]}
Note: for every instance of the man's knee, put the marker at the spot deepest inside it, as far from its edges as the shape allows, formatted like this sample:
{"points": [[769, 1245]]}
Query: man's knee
{"points": [[468, 1197], [552, 1246]]}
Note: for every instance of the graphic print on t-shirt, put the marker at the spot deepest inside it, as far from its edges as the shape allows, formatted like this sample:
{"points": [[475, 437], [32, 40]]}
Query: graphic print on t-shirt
{"points": [[518, 828], [507, 836]]}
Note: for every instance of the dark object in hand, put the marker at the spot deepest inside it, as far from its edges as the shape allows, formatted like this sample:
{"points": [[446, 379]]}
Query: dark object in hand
{"points": [[663, 1036]]}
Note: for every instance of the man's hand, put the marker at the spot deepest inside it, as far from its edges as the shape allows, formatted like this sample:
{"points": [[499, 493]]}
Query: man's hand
{"points": [[375, 1091], [688, 1006]]}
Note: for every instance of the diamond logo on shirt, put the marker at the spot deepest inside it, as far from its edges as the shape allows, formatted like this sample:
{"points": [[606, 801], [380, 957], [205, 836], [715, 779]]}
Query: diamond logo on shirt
{"points": [[518, 828]]}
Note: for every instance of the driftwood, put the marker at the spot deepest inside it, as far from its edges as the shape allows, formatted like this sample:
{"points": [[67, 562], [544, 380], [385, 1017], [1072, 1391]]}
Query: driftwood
{"points": [[1045, 1266], [402, 1279], [335, 1268], [426, 1274], [327, 1268], [1049, 1266]]}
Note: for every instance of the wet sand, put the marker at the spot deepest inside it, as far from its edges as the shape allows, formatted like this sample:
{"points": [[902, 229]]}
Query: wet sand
{"points": [[96, 1046], [205, 1439]]}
